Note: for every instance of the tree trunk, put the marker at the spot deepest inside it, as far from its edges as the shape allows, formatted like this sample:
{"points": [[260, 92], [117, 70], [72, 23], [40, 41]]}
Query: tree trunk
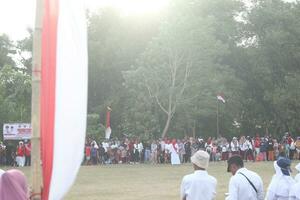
{"points": [[166, 126]]}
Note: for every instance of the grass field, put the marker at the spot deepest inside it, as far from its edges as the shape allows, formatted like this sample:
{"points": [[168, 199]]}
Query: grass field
{"points": [[149, 182]]}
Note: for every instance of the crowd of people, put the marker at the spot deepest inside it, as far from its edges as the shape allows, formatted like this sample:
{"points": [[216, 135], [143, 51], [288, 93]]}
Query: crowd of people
{"points": [[16, 156], [244, 184], [177, 151], [174, 151]]}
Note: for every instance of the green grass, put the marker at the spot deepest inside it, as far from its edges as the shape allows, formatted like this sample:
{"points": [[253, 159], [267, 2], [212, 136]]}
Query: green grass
{"points": [[149, 182]]}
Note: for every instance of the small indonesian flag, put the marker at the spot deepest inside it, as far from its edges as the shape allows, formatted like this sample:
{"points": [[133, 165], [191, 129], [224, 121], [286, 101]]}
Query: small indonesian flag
{"points": [[63, 94], [221, 98], [108, 129]]}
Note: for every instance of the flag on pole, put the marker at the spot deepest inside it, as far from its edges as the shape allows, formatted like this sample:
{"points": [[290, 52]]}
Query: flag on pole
{"points": [[221, 98], [108, 129], [63, 94]]}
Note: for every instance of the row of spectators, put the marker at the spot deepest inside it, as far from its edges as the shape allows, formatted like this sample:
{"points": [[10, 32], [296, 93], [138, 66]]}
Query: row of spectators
{"points": [[256, 148], [133, 150], [16, 156]]}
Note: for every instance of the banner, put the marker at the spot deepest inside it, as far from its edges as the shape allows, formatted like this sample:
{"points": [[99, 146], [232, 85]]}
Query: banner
{"points": [[17, 131]]}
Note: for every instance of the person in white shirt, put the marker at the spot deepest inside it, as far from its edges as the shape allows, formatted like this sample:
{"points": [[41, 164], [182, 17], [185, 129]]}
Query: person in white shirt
{"points": [[295, 192], [234, 146], [154, 152], [173, 149], [297, 177], [105, 145], [282, 181], [244, 184], [199, 185], [162, 145]]}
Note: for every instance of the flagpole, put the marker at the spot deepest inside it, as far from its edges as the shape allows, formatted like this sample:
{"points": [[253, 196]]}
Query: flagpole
{"points": [[36, 171], [217, 118]]}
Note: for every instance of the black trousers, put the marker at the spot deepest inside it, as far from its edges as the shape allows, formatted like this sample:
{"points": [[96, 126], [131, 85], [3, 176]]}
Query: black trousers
{"points": [[27, 160]]}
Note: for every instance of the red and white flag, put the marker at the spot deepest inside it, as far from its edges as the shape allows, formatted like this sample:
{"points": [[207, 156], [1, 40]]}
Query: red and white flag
{"points": [[63, 94], [221, 98], [108, 129]]}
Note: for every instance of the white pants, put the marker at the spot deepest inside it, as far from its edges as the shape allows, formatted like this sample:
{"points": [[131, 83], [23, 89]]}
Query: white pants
{"points": [[20, 161]]}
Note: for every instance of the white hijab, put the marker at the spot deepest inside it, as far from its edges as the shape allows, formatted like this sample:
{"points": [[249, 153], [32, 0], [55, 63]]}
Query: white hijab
{"points": [[280, 184], [95, 143]]}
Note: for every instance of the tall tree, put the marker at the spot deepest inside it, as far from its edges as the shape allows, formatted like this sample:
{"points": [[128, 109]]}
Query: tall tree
{"points": [[183, 61]]}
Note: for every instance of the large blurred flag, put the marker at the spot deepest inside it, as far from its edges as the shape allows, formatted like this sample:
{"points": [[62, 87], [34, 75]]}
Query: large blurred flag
{"points": [[63, 94]]}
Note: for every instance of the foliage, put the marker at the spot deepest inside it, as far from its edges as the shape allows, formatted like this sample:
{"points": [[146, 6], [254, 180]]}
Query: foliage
{"points": [[94, 130], [160, 74]]}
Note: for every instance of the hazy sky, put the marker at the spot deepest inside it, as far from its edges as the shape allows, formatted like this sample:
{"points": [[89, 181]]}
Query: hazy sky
{"points": [[17, 15]]}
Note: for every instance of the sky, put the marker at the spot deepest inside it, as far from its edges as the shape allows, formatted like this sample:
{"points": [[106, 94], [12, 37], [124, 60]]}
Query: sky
{"points": [[17, 15]]}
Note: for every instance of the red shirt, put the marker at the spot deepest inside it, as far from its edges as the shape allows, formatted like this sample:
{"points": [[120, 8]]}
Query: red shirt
{"points": [[130, 146], [20, 151], [88, 151], [290, 140], [257, 143], [27, 149]]}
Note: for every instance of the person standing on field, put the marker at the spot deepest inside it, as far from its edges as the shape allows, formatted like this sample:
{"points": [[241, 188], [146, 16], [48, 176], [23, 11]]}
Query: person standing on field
{"points": [[28, 153], [281, 183], [295, 189], [199, 185], [244, 184]]}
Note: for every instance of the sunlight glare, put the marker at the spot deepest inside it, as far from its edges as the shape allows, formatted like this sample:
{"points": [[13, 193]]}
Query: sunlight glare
{"points": [[131, 7]]}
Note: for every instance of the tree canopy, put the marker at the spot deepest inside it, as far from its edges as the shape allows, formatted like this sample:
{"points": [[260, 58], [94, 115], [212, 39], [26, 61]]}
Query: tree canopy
{"points": [[161, 73]]}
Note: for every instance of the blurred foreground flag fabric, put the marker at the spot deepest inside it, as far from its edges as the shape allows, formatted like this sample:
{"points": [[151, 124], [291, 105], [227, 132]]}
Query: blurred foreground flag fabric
{"points": [[63, 94]]}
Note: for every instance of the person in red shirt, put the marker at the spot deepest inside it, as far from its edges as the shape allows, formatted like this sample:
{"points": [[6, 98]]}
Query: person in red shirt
{"points": [[27, 153], [257, 146], [87, 154], [20, 159]]}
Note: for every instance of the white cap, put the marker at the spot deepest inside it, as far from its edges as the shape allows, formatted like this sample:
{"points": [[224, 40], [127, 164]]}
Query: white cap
{"points": [[201, 159]]}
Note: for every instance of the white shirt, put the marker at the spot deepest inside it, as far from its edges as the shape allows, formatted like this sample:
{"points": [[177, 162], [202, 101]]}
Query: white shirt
{"points": [[198, 186], [162, 145], [241, 189], [105, 145], [247, 145], [153, 147], [295, 192], [225, 147], [140, 147], [297, 177], [280, 185], [234, 146]]}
